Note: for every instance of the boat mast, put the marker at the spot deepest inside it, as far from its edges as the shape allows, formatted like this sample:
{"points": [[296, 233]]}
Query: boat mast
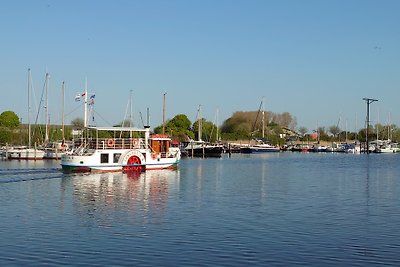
{"points": [[163, 115], [390, 128], [377, 127], [355, 128], [62, 110], [199, 124], [130, 109], [263, 119], [29, 108], [46, 137], [85, 106], [130, 113], [216, 122]]}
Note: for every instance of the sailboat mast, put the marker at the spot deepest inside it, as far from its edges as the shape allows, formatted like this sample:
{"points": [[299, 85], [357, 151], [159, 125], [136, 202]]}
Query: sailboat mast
{"points": [[46, 138], [130, 109], [377, 127], [62, 110], [355, 128], [29, 108], [390, 135], [263, 118], [216, 122], [199, 122]]}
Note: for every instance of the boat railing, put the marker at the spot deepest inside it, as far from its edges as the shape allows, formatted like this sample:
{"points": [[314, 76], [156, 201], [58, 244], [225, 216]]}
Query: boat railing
{"points": [[110, 143]]}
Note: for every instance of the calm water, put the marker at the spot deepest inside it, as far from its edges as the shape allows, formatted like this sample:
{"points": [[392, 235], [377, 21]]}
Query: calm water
{"points": [[283, 209]]}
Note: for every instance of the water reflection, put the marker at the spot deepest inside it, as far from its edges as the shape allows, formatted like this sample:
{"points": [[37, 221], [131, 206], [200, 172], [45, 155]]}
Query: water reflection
{"points": [[108, 198]]}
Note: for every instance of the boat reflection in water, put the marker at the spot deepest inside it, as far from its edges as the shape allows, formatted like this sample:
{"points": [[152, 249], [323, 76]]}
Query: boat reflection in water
{"points": [[106, 199]]}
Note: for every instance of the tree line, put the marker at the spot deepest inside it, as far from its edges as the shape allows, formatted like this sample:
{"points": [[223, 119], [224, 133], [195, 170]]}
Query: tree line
{"points": [[277, 128]]}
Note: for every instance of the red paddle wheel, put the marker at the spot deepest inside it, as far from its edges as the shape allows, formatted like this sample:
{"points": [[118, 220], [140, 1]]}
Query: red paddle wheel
{"points": [[133, 165]]}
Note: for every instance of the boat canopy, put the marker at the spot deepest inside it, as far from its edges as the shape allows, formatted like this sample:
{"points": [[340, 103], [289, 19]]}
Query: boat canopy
{"points": [[119, 129]]}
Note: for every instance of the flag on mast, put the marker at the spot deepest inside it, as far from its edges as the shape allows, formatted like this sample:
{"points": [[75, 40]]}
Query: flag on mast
{"points": [[92, 99], [79, 95]]}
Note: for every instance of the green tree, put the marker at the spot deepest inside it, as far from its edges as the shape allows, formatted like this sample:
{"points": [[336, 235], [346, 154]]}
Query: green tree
{"points": [[238, 126], [179, 128], [395, 134], [9, 119], [180, 121], [5, 135], [208, 130], [248, 124]]}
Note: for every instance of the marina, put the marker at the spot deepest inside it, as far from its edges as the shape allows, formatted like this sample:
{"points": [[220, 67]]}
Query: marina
{"points": [[291, 160]]}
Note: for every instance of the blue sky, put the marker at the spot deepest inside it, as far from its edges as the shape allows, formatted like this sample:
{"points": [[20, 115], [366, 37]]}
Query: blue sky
{"points": [[314, 59]]}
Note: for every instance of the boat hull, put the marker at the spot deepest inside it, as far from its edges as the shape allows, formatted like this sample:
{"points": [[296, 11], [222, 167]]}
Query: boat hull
{"points": [[26, 154], [214, 151], [118, 161], [251, 149]]}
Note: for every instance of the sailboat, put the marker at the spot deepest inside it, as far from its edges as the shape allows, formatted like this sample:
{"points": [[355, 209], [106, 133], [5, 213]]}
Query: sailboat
{"points": [[201, 148], [27, 152], [55, 149], [387, 146], [261, 145]]}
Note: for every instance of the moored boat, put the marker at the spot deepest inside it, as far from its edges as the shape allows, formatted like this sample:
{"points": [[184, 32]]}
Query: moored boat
{"points": [[202, 149], [260, 147], [25, 153], [388, 147], [54, 150], [125, 154]]}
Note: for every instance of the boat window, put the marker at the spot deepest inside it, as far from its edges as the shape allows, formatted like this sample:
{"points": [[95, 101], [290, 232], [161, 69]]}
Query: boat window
{"points": [[103, 158], [116, 157]]}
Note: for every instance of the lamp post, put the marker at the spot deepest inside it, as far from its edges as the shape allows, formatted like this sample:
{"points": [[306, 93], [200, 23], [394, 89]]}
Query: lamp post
{"points": [[368, 101]]}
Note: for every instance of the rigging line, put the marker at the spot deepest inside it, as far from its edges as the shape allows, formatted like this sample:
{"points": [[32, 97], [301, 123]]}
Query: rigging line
{"points": [[212, 130], [41, 100], [141, 118], [126, 114], [74, 109], [33, 94], [255, 122], [103, 118], [123, 121]]}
